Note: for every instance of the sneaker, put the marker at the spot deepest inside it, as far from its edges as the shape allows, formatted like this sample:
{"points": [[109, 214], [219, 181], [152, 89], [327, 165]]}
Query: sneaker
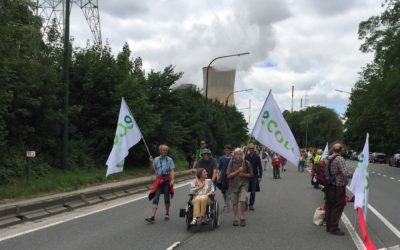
{"points": [[166, 217], [194, 222], [251, 208], [150, 219], [337, 232]]}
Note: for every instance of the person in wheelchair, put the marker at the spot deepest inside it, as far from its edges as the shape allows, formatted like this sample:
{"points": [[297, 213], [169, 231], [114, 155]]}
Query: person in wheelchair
{"points": [[202, 189]]}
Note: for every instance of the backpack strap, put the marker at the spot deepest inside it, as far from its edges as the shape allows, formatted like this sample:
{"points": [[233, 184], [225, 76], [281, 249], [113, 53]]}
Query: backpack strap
{"points": [[329, 167]]}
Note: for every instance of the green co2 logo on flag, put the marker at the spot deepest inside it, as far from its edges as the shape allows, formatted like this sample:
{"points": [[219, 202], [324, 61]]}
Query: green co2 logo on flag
{"points": [[128, 125], [273, 128]]}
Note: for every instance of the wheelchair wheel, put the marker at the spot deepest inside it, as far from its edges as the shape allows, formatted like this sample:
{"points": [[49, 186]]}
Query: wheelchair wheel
{"points": [[215, 216], [189, 216]]}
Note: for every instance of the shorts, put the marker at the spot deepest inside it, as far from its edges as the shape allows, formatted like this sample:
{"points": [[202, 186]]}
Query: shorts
{"points": [[240, 196]]}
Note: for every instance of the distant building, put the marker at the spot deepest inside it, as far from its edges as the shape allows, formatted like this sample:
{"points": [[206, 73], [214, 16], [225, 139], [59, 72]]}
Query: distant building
{"points": [[220, 84]]}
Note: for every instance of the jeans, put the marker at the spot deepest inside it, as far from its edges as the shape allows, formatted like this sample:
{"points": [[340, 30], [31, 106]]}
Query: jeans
{"points": [[301, 166], [164, 189], [276, 173], [253, 187]]}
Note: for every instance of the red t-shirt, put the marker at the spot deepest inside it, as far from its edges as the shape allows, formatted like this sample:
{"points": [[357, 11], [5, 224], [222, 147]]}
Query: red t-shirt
{"points": [[276, 163]]}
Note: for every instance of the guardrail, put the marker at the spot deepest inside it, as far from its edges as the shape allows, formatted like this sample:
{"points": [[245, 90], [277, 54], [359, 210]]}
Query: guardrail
{"points": [[32, 210]]}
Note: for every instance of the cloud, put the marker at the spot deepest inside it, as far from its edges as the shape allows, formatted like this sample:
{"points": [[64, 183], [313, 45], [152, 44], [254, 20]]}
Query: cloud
{"points": [[311, 44]]}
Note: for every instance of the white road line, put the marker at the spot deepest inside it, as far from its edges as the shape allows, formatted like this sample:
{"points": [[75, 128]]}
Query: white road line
{"points": [[85, 214], [173, 245], [397, 247], [389, 225], [398, 180], [385, 221], [392, 178], [384, 175], [373, 172], [379, 173], [356, 238]]}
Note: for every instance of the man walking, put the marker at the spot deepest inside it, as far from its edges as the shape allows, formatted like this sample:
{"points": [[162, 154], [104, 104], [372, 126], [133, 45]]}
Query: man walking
{"points": [[335, 192], [164, 167], [198, 155], [222, 181], [239, 171], [255, 162], [209, 164]]}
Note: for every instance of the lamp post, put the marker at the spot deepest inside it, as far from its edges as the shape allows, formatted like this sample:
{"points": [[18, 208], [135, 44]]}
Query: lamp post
{"points": [[342, 91], [237, 91], [208, 67]]}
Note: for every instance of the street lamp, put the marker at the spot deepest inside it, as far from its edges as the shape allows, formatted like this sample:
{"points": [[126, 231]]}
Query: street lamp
{"points": [[237, 91], [342, 91], [208, 67]]}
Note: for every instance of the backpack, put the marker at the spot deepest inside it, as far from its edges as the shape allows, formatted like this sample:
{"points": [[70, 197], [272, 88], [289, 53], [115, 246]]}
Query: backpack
{"points": [[325, 177]]}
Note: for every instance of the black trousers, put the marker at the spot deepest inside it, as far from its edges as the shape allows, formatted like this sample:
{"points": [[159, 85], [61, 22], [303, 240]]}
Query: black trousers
{"points": [[334, 205]]}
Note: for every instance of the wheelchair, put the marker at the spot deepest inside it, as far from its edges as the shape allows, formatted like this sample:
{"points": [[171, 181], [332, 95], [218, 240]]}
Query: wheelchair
{"points": [[211, 216]]}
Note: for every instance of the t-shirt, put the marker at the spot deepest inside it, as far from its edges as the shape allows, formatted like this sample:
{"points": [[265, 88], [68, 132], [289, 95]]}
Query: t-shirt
{"points": [[237, 182], [163, 166], [209, 166]]}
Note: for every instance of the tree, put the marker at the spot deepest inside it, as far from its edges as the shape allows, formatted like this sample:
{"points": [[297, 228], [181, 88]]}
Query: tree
{"points": [[316, 124], [374, 105]]}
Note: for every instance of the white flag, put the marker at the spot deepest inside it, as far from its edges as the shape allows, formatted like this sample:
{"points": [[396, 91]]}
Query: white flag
{"points": [[272, 131], [360, 181], [325, 153], [127, 135]]}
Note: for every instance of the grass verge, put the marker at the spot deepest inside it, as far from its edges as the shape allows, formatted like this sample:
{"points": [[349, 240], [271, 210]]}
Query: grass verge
{"points": [[58, 181]]}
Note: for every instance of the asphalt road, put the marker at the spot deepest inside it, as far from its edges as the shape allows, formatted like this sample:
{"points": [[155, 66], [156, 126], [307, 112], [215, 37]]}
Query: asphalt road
{"points": [[282, 220], [384, 196]]}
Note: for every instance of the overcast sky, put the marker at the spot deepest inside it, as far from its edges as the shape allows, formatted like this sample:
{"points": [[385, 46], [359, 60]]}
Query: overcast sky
{"points": [[311, 44]]}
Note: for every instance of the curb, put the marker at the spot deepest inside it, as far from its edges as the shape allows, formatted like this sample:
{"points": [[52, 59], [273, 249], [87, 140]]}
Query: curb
{"points": [[19, 212]]}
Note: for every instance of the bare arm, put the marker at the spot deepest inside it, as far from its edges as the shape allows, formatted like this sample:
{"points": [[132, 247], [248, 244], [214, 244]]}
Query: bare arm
{"points": [[172, 175], [151, 164]]}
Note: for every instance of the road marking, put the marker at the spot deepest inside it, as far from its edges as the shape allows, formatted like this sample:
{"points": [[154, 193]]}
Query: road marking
{"points": [[384, 175], [173, 245], [379, 173], [397, 247], [392, 178], [86, 214], [383, 219], [373, 172], [356, 238]]}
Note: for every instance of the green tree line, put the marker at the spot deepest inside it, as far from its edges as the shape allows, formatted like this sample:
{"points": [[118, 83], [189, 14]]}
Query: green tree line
{"points": [[314, 126], [31, 101], [374, 103]]}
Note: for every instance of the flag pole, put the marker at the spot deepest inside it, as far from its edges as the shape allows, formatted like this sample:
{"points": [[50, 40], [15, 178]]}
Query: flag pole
{"points": [[141, 135], [269, 93], [266, 99]]}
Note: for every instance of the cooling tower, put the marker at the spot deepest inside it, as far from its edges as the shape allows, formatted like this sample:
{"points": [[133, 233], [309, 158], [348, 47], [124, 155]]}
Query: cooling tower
{"points": [[220, 84]]}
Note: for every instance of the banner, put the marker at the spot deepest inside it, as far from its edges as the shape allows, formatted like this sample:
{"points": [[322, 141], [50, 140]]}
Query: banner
{"points": [[326, 152], [126, 136], [360, 181], [273, 132]]}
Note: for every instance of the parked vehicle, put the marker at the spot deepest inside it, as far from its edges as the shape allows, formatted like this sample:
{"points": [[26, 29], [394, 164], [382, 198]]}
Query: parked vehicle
{"points": [[354, 156], [394, 161], [377, 158]]}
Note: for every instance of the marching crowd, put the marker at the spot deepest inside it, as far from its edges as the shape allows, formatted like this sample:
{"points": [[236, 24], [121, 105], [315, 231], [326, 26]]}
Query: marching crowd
{"points": [[239, 173]]}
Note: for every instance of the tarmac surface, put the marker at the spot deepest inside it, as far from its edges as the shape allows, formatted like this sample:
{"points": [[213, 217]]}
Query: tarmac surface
{"points": [[282, 220]]}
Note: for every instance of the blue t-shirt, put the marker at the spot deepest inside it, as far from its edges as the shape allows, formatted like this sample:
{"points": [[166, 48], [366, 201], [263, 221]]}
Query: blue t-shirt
{"points": [[223, 165], [163, 166]]}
